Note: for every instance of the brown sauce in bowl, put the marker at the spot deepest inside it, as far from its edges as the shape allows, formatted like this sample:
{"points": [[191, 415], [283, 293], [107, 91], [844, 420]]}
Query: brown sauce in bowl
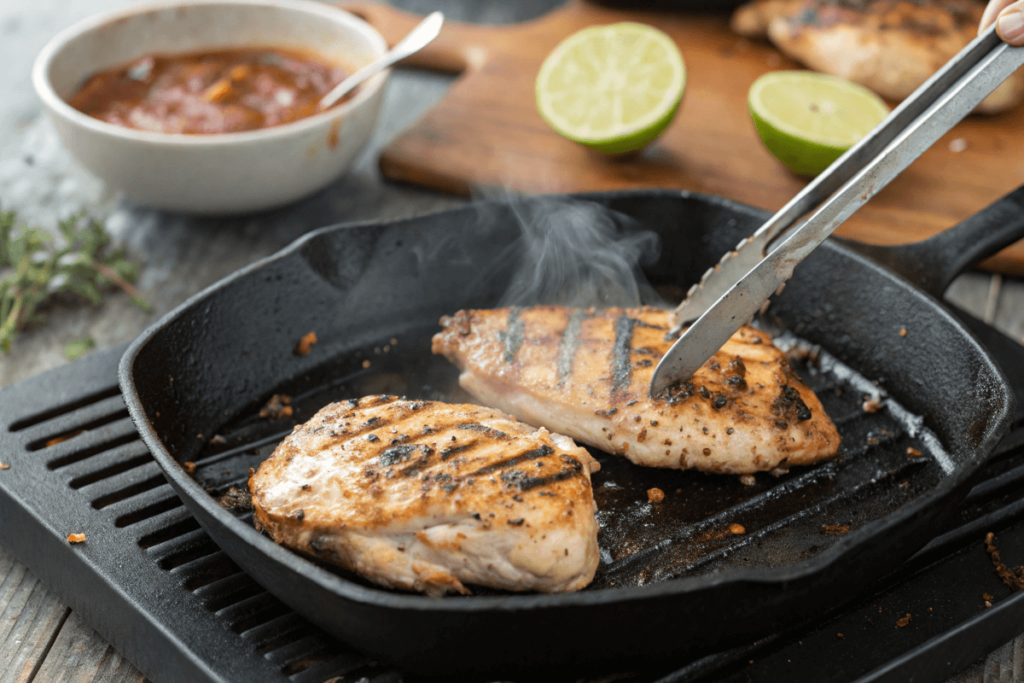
{"points": [[223, 91]]}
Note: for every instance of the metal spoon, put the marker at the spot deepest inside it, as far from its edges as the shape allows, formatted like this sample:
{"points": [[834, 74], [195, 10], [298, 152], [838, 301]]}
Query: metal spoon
{"points": [[417, 39]]}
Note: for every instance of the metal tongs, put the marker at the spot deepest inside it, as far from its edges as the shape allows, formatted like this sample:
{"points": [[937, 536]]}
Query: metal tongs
{"points": [[732, 292]]}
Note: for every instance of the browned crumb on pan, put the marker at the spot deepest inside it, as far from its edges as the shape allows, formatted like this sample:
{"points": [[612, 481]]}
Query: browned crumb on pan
{"points": [[655, 495], [903, 332], [236, 499], [63, 437], [903, 621], [986, 596], [305, 344], [834, 529], [737, 529], [803, 353], [748, 480], [76, 538], [4, 467], [277, 407], [871, 405], [189, 467], [217, 440], [913, 452], [1014, 578], [366, 363]]}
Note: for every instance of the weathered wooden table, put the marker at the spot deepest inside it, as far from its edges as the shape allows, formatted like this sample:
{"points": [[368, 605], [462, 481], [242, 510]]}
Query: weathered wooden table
{"points": [[40, 638]]}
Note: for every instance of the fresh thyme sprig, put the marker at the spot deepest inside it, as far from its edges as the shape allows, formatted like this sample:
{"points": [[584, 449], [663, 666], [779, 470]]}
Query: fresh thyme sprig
{"points": [[39, 267]]}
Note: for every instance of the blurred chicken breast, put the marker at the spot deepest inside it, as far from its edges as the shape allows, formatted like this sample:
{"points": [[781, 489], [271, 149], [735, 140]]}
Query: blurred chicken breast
{"points": [[889, 46]]}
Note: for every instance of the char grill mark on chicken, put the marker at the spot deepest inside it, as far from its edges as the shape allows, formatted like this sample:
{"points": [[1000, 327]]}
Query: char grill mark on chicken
{"points": [[622, 352], [586, 374], [426, 496], [569, 343], [513, 335]]}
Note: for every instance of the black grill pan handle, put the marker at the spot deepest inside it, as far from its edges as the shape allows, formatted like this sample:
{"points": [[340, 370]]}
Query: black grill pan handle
{"points": [[932, 264]]}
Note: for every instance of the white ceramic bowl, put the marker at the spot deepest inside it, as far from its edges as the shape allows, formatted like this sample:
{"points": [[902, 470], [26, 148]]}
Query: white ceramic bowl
{"points": [[221, 173]]}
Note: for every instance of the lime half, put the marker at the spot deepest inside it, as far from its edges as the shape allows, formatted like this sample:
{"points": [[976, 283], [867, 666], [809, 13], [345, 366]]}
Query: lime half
{"points": [[808, 119], [614, 88]]}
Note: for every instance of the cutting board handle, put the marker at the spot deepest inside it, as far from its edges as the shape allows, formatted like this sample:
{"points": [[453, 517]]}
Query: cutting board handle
{"points": [[458, 48], [934, 263]]}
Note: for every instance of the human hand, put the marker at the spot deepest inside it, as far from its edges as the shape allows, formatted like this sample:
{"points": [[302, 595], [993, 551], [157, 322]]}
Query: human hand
{"points": [[1010, 22]]}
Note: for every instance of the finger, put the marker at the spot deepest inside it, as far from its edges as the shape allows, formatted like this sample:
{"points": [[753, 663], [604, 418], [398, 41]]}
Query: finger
{"points": [[1010, 24], [992, 11]]}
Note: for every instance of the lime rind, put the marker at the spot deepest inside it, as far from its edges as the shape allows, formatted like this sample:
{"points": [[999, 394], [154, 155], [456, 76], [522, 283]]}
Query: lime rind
{"points": [[794, 152], [579, 86], [637, 140]]}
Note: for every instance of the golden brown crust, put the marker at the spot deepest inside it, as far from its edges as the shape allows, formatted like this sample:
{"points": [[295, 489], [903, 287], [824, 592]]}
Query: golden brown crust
{"points": [[586, 373], [424, 496]]}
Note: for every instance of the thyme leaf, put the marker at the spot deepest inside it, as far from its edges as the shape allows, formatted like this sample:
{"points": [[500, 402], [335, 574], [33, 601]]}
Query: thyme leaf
{"points": [[35, 266]]}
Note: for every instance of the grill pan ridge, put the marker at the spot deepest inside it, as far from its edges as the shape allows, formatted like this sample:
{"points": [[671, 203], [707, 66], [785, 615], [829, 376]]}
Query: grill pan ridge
{"points": [[186, 387]]}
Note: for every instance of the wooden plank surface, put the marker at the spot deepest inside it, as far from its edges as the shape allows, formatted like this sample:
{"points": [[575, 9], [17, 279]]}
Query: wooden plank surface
{"points": [[1010, 310], [487, 132], [79, 655], [41, 640], [30, 618]]}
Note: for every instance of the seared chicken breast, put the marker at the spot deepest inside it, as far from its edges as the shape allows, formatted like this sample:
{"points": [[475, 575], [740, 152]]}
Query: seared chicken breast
{"points": [[427, 496], [889, 46], [586, 373], [751, 20]]}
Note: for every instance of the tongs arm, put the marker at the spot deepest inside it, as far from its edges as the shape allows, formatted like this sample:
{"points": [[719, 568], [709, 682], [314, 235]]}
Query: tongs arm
{"points": [[914, 126]]}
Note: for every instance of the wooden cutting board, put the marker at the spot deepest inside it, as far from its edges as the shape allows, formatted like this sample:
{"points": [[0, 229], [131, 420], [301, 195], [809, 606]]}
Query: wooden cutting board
{"points": [[486, 132]]}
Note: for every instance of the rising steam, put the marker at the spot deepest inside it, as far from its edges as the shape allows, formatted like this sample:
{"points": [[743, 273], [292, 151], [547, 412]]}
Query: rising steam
{"points": [[578, 253]]}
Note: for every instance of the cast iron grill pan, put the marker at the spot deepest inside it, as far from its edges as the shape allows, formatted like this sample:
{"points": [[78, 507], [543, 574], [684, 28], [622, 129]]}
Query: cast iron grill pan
{"points": [[166, 597], [810, 538]]}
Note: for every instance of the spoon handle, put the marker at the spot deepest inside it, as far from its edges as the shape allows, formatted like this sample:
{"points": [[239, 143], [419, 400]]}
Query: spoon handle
{"points": [[424, 33]]}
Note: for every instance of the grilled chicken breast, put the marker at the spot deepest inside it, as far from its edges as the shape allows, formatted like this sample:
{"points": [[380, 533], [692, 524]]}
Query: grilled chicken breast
{"points": [[889, 46], [586, 373], [427, 496], [752, 19]]}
